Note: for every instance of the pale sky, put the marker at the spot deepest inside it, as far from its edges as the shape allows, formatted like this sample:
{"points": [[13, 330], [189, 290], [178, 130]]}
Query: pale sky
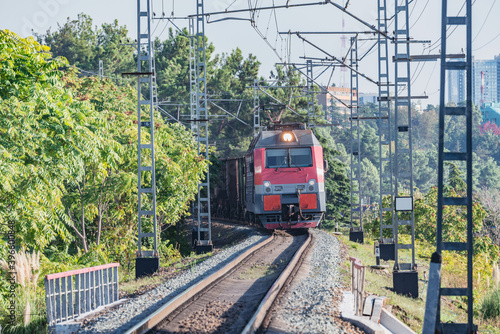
{"points": [[425, 18]]}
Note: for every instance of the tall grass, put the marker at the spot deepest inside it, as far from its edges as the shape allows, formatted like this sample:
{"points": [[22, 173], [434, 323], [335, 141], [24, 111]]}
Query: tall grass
{"points": [[29, 301], [490, 308]]}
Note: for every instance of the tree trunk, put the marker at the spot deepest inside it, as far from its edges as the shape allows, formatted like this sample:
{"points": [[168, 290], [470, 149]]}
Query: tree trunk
{"points": [[84, 235]]}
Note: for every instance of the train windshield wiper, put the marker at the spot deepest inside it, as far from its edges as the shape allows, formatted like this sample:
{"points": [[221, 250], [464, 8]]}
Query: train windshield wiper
{"points": [[284, 160], [291, 163]]}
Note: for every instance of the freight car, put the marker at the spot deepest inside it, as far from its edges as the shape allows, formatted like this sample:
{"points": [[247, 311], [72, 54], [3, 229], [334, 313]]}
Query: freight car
{"points": [[280, 183]]}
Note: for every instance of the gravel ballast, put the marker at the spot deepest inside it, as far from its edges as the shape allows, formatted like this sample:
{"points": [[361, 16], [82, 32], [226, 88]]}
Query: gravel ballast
{"points": [[134, 310], [309, 306]]}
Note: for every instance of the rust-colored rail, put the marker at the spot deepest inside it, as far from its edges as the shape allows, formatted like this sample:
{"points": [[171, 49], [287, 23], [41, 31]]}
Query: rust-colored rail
{"points": [[266, 304], [151, 321]]}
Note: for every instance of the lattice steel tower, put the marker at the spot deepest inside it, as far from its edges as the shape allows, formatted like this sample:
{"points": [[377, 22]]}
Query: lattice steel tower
{"points": [[386, 213], [192, 75], [147, 261], [311, 115], [356, 229], [432, 320], [256, 108], [405, 274], [202, 232]]}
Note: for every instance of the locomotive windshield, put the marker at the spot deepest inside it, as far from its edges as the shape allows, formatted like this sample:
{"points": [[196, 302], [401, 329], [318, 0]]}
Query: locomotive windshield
{"points": [[276, 158], [300, 157], [288, 158]]}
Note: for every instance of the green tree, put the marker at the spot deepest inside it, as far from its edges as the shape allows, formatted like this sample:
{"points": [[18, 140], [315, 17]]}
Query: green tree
{"points": [[369, 144], [337, 185], [424, 168], [489, 174], [455, 183], [370, 181], [83, 45], [40, 135]]}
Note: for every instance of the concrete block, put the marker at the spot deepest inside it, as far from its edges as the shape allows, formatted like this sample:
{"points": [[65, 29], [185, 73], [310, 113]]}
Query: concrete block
{"points": [[406, 283], [364, 324], [387, 251], [378, 304], [356, 236], [347, 305], [67, 327], [393, 324], [145, 266], [368, 306]]}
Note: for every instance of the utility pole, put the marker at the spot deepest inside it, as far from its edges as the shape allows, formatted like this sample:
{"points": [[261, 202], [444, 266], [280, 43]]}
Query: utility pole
{"points": [[356, 229], [202, 233], [311, 115], [432, 320], [386, 213], [192, 75], [256, 108], [405, 274], [147, 261], [101, 69]]}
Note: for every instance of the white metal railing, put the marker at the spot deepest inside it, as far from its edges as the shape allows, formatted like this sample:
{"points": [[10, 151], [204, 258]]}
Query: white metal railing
{"points": [[72, 293]]}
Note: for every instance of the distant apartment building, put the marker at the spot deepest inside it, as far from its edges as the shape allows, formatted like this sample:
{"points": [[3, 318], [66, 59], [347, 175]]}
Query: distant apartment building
{"points": [[485, 82], [339, 93], [491, 113], [365, 98], [456, 86]]}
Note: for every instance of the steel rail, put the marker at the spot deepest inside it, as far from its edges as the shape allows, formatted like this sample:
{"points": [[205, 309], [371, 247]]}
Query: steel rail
{"points": [[266, 304], [164, 311]]}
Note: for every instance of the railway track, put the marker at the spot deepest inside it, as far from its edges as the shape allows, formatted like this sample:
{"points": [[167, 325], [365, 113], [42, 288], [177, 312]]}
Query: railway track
{"points": [[237, 298]]}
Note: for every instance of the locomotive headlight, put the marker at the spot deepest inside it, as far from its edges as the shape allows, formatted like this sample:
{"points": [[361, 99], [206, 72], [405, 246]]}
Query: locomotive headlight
{"points": [[312, 182], [287, 136], [267, 186]]}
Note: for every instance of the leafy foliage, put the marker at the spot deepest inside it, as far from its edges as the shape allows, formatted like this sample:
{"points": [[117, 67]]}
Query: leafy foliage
{"points": [[68, 166], [83, 45], [337, 185]]}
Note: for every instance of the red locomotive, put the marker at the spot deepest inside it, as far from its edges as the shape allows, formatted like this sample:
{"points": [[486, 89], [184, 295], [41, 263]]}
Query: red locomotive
{"points": [[284, 183]]}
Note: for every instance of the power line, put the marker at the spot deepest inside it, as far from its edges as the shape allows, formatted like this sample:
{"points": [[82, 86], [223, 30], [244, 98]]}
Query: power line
{"points": [[418, 18], [494, 38], [484, 21]]}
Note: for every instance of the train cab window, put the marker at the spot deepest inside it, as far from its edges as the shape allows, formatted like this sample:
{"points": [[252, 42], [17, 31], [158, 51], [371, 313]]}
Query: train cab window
{"points": [[288, 158], [276, 158], [300, 157]]}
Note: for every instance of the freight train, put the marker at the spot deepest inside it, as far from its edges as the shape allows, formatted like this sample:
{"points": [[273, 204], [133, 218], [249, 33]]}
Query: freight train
{"points": [[280, 182]]}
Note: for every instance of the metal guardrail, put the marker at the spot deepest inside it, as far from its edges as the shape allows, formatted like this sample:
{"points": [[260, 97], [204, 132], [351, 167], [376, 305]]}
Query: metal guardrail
{"points": [[72, 293]]}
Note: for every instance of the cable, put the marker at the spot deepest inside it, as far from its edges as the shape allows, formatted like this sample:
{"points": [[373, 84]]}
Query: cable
{"points": [[484, 22], [370, 51], [166, 25], [494, 38], [412, 80], [448, 35], [418, 18], [430, 76], [232, 3]]}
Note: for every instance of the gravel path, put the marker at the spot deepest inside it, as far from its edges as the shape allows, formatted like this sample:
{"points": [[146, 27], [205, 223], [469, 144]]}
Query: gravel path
{"points": [[311, 302], [134, 310]]}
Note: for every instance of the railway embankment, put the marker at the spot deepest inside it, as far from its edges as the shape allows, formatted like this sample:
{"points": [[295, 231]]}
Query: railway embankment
{"points": [[410, 311], [309, 303]]}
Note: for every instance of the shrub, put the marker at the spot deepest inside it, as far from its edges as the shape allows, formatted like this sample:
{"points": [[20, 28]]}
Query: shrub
{"points": [[490, 307]]}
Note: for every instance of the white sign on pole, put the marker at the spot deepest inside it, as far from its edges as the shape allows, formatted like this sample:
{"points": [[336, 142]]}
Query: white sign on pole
{"points": [[404, 203]]}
